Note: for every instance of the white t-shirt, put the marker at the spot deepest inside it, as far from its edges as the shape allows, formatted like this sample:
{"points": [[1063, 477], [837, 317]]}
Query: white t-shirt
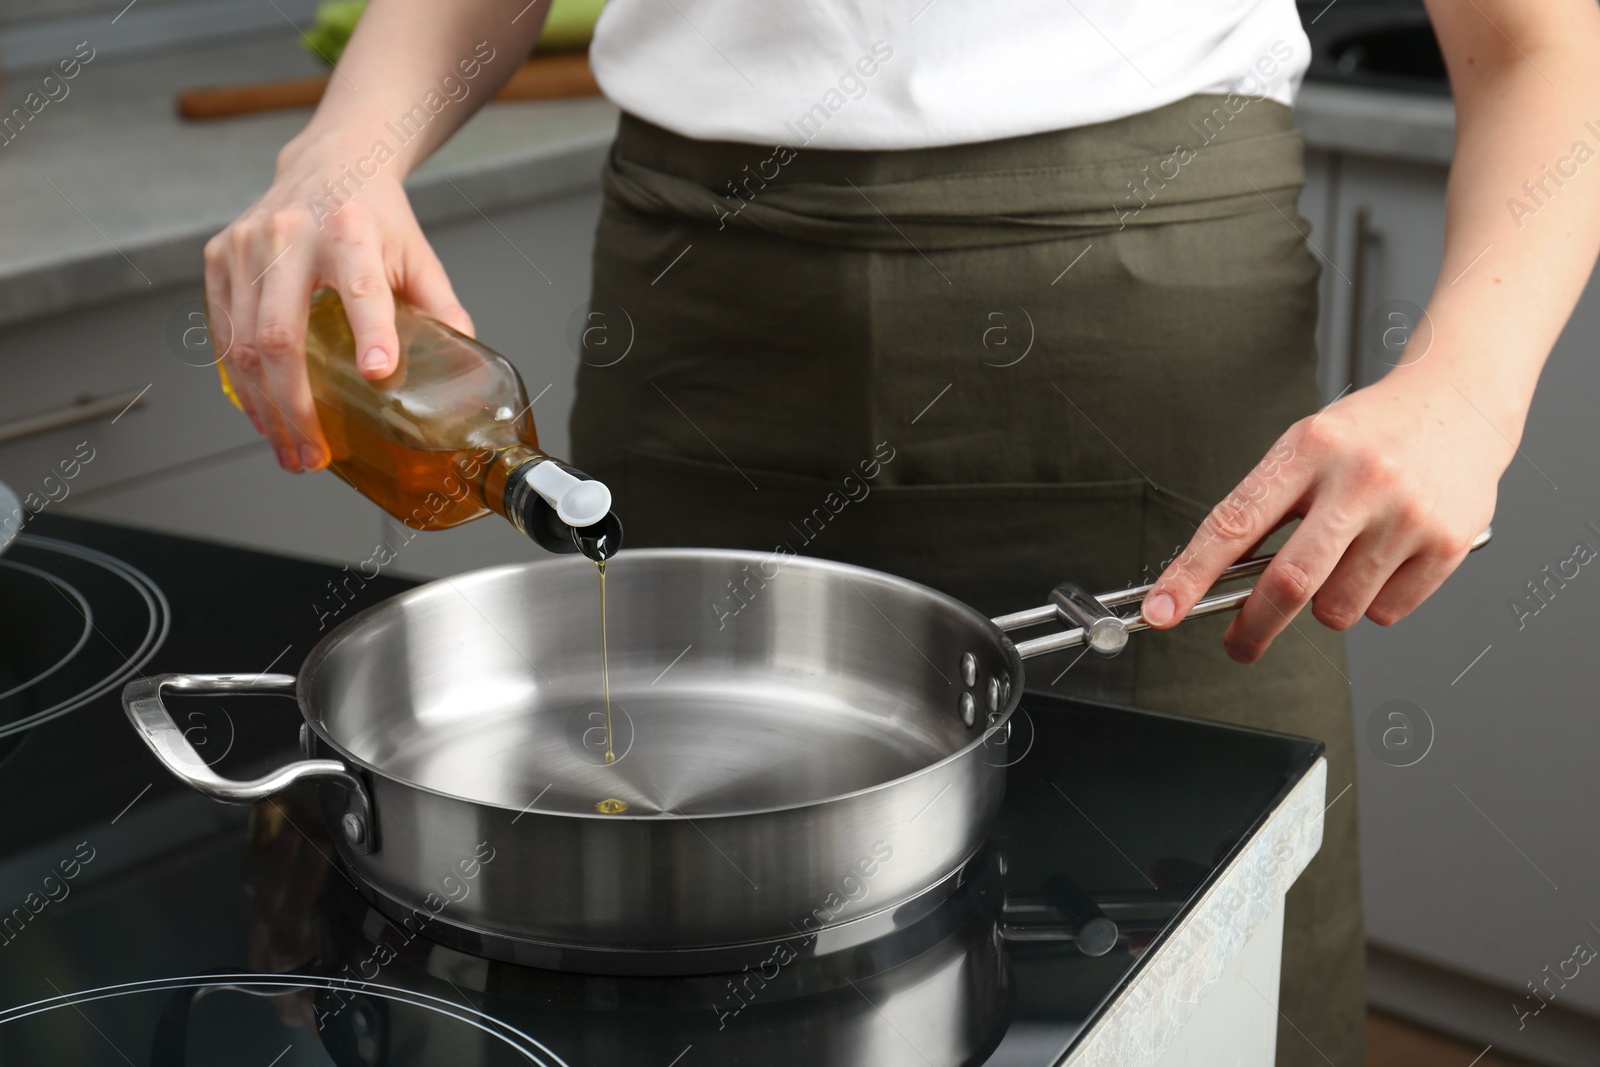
{"points": [[918, 73]]}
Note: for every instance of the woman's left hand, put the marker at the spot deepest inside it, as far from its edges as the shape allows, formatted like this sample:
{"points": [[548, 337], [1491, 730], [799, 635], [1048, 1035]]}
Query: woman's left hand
{"points": [[1392, 483]]}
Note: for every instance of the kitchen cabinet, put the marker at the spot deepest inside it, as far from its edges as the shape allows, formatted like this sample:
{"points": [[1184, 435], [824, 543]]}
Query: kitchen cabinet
{"points": [[93, 363], [1479, 857], [1381, 242], [242, 497]]}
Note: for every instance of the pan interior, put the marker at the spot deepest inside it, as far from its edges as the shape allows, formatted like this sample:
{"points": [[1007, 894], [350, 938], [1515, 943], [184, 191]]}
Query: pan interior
{"points": [[824, 680], [679, 750]]}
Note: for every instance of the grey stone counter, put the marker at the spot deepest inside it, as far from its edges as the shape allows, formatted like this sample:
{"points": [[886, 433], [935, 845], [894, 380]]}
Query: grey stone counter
{"points": [[107, 193], [1412, 127]]}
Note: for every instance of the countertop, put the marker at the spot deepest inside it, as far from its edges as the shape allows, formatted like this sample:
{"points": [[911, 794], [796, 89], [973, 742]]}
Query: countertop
{"points": [[107, 193], [1409, 127]]}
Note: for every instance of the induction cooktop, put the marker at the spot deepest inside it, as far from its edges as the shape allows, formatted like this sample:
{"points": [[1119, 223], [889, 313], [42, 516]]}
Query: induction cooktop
{"points": [[144, 924]]}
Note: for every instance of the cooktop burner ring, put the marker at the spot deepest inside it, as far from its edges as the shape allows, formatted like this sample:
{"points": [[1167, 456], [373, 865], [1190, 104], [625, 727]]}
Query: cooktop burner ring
{"points": [[84, 609], [248, 982], [158, 625]]}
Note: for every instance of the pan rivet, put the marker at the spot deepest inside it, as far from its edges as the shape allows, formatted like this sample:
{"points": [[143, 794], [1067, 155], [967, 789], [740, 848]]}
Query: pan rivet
{"points": [[1005, 685], [355, 831], [969, 668], [969, 709], [994, 694]]}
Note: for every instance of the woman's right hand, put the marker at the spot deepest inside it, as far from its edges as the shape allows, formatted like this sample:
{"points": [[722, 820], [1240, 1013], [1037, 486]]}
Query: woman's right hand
{"points": [[262, 270]]}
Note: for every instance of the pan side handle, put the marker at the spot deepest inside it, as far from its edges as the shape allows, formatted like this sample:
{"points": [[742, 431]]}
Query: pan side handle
{"points": [[142, 700], [1096, 624]]}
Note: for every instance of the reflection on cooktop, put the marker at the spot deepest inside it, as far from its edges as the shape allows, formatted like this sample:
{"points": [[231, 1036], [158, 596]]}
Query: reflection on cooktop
{"points": [[141, 923]]}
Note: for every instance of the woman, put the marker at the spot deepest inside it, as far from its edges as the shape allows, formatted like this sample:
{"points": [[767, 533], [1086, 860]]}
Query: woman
{"points": [[988, 297]]}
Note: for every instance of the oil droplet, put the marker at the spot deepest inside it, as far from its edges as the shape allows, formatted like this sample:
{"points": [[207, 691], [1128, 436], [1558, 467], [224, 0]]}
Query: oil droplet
{"points": [[611, 806]]}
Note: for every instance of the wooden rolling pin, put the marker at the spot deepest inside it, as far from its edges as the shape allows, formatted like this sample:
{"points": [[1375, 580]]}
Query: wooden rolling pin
{"points": [[540, 78]]}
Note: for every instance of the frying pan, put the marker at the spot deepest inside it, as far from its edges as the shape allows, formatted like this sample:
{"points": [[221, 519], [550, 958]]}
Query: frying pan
{"points": [[806, 753]]}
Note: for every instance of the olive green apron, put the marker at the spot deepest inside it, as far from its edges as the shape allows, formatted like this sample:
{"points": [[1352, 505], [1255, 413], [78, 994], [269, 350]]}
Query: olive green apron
{"points": [[988, 368]]}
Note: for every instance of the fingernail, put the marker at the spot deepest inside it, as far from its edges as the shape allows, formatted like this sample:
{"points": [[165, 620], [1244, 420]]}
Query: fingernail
{"points": [[311, 457], [286, 458], [374, 358], [1158, 609]]}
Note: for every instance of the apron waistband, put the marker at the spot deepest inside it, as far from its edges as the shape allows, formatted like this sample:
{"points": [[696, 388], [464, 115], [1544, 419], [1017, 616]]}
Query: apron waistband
{"points": [[1205, 157]]}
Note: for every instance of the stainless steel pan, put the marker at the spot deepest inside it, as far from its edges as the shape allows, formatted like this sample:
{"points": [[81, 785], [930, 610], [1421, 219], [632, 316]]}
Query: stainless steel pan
{"points": [[808, 752]]}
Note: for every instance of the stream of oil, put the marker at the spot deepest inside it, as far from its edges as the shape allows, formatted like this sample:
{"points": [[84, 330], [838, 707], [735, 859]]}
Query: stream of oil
{"points": [[610, 805], [605, 662]]}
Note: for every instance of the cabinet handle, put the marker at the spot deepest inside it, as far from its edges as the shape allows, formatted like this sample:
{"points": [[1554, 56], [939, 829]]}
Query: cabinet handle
{"points": [[1364, 236], [86, 411]]}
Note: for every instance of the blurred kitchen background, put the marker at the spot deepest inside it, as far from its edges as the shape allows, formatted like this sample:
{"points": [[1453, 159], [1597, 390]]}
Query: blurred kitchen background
{"points": [[1480, 839]]}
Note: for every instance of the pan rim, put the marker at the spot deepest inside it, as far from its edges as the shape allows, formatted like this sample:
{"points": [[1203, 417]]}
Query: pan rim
{"points": [[344, 630]]}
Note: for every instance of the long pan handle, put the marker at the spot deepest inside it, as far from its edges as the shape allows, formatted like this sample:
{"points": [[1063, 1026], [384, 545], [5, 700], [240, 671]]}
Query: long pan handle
{"points": [[1106, 632]]}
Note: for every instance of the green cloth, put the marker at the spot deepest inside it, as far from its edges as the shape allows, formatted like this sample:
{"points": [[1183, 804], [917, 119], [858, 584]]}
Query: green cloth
{"points": [[568, 26], [989, 368]]}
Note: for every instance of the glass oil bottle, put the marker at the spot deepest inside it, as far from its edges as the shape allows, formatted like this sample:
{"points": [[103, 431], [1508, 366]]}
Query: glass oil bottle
{"points": [[448, 437]]}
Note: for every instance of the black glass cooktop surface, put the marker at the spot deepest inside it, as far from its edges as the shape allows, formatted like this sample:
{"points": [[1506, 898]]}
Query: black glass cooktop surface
{"points": [[144, 924]]}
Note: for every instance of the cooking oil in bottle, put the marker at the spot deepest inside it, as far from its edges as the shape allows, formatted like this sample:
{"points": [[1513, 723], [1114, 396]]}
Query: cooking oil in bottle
{"points": [[448, 437]]}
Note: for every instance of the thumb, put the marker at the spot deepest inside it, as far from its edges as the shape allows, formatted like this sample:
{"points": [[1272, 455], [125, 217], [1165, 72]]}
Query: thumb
{"points": [[426, 287]]}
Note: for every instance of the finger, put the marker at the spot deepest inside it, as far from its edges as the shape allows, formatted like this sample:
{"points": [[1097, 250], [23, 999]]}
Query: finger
{"points": [[1286, 519], [246, 388], [219, 319], [281, 335], [427, 287], [363, 282], [1288, 584], [247, 370], [1368, 563], [1413, 581], [1255, 507]]}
